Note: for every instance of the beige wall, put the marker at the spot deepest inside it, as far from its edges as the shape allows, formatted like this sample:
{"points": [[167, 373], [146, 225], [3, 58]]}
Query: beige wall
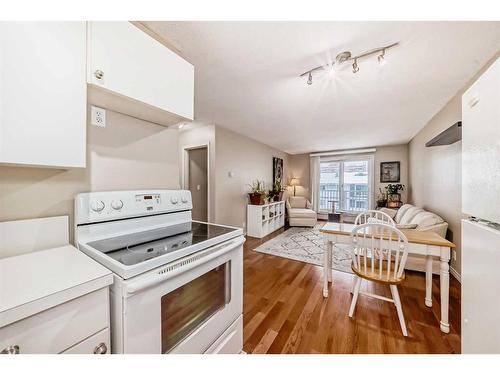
{"points": [[248, 160], [299, 167], [127, 154]]}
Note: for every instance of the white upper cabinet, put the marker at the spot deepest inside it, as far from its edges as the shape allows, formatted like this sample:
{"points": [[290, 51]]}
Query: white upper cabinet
{"points": [[43, 93], [130, 72], [481, 146]]}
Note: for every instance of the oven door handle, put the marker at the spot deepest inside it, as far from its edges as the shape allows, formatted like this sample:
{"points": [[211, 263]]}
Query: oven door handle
{"points": [[158, 278]]}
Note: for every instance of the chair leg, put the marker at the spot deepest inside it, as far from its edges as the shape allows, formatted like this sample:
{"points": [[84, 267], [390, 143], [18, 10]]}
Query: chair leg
{"points": [[399, 308], [354, 297], [354, 280]]}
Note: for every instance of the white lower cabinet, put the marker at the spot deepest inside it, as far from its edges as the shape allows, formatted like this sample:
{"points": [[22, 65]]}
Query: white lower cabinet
{"points": [[96, 344], [80, 325]]}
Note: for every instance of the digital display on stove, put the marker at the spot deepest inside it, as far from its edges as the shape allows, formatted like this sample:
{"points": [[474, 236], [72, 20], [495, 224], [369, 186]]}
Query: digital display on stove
{"points": [[135, 248], [148, 197]]}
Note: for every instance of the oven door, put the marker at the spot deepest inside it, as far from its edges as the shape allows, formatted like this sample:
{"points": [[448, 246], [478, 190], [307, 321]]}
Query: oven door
{"points": [[185, 306]]}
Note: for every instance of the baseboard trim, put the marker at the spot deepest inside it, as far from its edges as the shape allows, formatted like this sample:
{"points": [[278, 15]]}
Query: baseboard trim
{"points": [[455, 274]]}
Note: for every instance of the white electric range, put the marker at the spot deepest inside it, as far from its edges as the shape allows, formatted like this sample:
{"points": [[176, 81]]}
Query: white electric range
{"points": [[178, 283]]}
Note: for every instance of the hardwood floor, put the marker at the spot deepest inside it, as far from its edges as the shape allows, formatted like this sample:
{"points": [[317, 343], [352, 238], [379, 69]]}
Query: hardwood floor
{"points": [[285, 312]]}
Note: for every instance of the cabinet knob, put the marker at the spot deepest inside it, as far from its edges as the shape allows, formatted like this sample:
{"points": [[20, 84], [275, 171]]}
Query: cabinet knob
{"points": [[99, 74], [101, 348], [12, 349]]}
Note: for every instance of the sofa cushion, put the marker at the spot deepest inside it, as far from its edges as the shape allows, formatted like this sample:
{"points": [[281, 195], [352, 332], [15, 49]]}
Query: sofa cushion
{"points": [[409, 215], [402, 210], [298, 202], [406, 226], [426, 219], [301, 213]]}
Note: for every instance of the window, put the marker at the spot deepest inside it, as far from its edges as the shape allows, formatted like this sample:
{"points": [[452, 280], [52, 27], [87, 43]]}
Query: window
{"points": [[347, 183]]}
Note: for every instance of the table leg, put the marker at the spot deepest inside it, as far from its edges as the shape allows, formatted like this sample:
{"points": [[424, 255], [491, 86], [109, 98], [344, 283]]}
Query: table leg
{"points": [[326, 266], [428, 280], [330, 259], [445, 290]]}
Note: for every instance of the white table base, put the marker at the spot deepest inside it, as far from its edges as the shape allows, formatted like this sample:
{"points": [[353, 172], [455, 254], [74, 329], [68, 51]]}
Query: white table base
{"points": [[429, 251]]}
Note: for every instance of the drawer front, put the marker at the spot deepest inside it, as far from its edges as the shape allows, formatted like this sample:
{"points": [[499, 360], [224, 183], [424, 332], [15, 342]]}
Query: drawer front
{"points": [[231, 341], [97, 344], [59, 328]]}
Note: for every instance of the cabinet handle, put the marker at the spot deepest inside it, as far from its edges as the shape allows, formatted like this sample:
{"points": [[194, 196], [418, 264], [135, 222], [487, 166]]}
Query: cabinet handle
{"points": [[99, 74], [12, 349], [101, 348]]}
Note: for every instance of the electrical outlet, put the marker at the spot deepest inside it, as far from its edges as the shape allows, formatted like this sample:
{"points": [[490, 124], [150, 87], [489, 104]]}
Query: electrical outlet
{"points": [[454, 254], [98, 116]]}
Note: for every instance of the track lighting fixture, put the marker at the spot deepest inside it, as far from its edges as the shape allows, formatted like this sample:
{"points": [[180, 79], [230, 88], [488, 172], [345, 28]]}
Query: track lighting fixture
{"points": [[346, 56], [355, 67], [310, 79]]}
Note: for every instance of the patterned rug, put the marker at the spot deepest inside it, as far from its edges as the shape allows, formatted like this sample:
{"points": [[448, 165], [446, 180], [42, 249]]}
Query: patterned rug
{"points": [[306, 245]]}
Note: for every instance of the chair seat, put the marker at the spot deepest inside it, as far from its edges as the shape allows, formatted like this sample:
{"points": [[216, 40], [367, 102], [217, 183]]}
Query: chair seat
{"points": [[376, 275], [302, 213]]}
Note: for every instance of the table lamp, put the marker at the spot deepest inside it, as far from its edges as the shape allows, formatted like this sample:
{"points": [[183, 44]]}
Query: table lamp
{"points": [[294, 182]]}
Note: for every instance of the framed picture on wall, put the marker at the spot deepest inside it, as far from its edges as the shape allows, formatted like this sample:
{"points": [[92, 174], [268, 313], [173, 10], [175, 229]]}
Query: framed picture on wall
{"points": [[277, 169], [390, 171]]}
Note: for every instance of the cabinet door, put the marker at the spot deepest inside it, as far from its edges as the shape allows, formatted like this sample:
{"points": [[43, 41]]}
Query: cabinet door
{"points": [[96, 344], [481, 146], [126, 61], [43, 93]]}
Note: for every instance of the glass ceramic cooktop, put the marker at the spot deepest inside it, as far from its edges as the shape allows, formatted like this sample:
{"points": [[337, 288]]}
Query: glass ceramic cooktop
{"points": [[135, 248]]}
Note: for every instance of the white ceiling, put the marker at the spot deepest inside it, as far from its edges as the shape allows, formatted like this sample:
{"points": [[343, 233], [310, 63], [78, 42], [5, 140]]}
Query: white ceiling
{"points": [[247, 77]]}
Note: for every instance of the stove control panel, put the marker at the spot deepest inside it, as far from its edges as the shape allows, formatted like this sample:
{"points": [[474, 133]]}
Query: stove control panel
{"points": [[112, 205]]}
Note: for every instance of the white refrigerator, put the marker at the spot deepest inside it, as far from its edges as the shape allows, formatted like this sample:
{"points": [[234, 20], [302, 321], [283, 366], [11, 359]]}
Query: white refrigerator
{"points": [[481, 203]]}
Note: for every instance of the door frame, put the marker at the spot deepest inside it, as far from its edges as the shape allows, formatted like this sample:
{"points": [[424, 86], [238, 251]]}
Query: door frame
{"points": [[185, 170]]}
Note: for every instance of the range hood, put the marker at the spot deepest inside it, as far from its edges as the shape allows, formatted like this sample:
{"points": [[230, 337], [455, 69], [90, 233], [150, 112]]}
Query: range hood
{"points": [[451, 135]]}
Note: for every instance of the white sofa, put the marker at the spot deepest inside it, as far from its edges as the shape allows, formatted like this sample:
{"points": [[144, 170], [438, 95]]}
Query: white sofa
{"points": [[409, 216], [425, 221], [300, 212]]}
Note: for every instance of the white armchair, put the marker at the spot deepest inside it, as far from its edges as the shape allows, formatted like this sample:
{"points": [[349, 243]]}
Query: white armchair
{"points": [[300, 212]]}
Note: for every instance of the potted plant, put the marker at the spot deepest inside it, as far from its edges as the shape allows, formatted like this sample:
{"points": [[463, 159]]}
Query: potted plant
{"points": [[278, 190], [393, 195], [257, 192]]}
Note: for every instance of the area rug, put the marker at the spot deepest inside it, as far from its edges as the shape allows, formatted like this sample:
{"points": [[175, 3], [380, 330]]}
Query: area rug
{"points": [[306, 245]]}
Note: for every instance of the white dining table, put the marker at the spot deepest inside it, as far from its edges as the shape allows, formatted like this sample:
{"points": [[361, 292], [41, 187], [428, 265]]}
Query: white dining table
{"points": [[428, 244]]}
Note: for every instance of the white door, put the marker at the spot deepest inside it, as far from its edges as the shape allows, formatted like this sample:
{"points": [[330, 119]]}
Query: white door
{"points": [[127, 61], [481, 146], [480, 279], [43, 93]]}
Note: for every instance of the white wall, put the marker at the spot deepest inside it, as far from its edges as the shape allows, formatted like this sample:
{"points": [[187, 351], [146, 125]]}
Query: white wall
{"points": [[436, 172], [248, 160], [127, 154]]}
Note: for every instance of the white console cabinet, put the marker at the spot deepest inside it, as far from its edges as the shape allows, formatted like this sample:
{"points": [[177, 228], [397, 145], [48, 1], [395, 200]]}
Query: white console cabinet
{"points": [[265, 219]]}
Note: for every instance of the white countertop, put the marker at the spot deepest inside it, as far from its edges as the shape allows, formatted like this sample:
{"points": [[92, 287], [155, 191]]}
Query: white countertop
{"points": [[34, 282]]}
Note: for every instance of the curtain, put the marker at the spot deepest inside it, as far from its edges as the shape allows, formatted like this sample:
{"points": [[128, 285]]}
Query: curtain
{"points": [[314, 176]]}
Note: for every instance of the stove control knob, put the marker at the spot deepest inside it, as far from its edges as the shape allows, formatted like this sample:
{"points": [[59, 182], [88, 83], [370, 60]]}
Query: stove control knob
{"points": [[117, 205], [174, 200], [97, 206], [184, 200]]}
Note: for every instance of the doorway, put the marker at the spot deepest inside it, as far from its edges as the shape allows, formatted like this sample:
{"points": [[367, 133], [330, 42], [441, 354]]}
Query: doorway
{"points": [[196, 180]]}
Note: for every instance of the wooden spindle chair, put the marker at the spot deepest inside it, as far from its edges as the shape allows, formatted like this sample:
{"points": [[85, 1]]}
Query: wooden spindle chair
{"points": [[379, 254], [374, 216]]}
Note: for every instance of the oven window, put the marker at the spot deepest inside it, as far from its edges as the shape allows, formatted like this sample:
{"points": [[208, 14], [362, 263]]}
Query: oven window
{"points": [[187, 307]]}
